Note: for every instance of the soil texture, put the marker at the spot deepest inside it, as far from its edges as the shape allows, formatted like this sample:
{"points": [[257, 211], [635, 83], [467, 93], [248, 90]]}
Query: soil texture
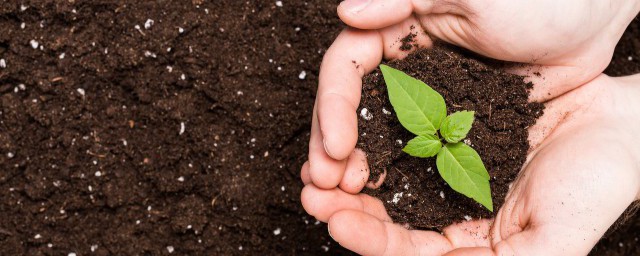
{"points": [[169, 127], [156, 127], [413, 192]]}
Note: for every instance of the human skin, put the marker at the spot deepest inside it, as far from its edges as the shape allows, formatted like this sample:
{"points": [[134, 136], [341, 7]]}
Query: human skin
{"points": [[582, 171], [568, 42], [576, 182]]}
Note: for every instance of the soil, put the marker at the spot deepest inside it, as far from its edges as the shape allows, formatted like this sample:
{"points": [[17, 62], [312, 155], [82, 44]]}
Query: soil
{"points": [[408, 42], [183, 134], [413, 192], [93, 152], [626, 58]]}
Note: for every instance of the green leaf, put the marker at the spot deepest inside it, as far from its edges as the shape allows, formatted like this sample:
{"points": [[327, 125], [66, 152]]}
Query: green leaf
{"points": [[420, 109], [456, 126], [423, 146], [461, 167]]}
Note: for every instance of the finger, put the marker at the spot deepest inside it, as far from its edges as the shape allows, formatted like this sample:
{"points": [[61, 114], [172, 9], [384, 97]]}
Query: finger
{"points": [[323, 203], [550, 82], [472, 233], [365, 234], [338, 120], [304, 173], [353, 54], [376, 14], [324, 171], [393, 36], [334, 128], [376, 184], [523, 243], [356, 174]]}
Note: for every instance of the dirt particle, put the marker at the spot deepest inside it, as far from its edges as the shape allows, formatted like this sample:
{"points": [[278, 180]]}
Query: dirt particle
{"points": [[148, 23], [408, 42], [365, 114], [34, 44]]}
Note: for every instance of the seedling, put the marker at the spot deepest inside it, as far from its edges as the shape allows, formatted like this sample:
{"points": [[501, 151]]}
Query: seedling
{"points": [[423, 112]]}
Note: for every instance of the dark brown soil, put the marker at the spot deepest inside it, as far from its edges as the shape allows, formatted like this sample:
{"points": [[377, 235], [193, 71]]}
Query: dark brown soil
{"points": [[408, 42], [413, 192], [242, 61], [111, 169], [626, 58]]}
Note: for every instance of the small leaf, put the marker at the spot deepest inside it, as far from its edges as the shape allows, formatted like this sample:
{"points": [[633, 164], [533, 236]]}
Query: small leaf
{"points": [[420, 109], [456, 126], [423, 146], [461, 167]]}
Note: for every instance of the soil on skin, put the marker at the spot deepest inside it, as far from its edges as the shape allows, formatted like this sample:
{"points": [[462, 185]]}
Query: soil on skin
{"points": [[110, 171], [413, 192]]}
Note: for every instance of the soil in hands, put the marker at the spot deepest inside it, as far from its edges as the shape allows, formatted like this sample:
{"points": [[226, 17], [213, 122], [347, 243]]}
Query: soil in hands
{"points": [[413, 192], [199, 192]]}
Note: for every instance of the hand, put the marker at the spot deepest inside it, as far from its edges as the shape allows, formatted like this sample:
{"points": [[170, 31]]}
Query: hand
{"points": [[581, 175], [569, 43]]}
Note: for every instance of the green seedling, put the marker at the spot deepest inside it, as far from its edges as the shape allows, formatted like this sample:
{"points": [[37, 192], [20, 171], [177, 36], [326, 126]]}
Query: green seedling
{"points": [[423, 112]]}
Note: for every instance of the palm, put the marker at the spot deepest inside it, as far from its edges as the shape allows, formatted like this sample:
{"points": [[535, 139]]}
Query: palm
{"points": [[576, 183]]}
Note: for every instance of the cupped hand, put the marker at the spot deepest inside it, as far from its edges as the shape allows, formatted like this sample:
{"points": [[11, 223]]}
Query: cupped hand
{"points": [[582, 173], [566, 44]]}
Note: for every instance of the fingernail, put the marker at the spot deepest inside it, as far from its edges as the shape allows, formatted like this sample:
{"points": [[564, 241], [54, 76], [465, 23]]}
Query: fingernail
{"points": [[355, 6], [326, 149], [329, 230]]}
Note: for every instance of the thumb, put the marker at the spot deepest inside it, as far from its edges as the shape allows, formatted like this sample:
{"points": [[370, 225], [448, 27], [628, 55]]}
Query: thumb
{"points": [[374, 14], [377, 14]]}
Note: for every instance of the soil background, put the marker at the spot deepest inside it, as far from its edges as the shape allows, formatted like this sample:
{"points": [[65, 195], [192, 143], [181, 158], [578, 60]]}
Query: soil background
{"points": [[125, 136]]}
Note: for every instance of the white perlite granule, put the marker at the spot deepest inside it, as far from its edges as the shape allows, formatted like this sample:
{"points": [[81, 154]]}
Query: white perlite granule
{"points": [[365, 114]]}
